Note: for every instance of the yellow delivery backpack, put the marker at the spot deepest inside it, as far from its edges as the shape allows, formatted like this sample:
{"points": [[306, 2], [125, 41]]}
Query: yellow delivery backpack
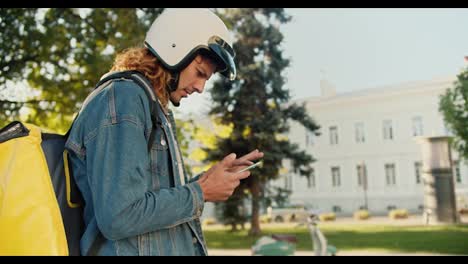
{"points": [[30, 218], [41, 208]]}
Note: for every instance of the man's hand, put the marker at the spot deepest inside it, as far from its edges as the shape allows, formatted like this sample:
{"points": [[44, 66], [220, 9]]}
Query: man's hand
{"points": [[219, 182]]}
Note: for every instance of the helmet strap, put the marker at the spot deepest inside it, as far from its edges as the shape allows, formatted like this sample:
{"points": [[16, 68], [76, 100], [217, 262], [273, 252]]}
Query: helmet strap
{"points": [[173, 83]]}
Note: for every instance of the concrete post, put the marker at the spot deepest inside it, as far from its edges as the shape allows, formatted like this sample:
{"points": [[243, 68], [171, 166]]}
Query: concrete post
{"points": [[439, 189]]}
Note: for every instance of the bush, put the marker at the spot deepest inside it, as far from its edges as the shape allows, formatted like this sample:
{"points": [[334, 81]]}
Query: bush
{"points": [[265, 219], [209, 221], [463, 211], [361, 215], [327, 217], [398, 214]]}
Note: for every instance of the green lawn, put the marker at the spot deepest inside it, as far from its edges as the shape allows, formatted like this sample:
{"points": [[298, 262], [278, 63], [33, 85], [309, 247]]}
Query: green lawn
{"points": [[406, 239]]}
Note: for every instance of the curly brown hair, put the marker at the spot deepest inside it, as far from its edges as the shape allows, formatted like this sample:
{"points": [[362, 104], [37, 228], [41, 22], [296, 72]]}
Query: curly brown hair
{"points": [[141, 59]]}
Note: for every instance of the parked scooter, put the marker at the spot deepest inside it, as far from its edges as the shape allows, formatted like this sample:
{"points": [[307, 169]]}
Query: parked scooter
{"points": [[275, 245], [285, 245], [319, 242]]}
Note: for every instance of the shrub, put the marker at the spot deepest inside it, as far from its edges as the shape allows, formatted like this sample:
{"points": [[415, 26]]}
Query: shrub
{"points": [[327, 217], [398, 214], [463, 211], [361, 215], [265, 219], [209, 221]]}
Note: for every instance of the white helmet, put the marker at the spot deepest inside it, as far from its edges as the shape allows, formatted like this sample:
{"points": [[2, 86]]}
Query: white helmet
{"points": [[177, 35]]}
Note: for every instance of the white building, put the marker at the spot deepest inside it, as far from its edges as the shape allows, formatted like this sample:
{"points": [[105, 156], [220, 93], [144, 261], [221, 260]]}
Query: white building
{"points": [[370, 132]]}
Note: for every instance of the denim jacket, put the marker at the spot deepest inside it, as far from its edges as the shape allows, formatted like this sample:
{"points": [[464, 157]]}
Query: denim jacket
{"points": [[141, 202]]}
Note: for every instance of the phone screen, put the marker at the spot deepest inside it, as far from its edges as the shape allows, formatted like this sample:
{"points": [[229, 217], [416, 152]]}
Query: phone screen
{"points": [[251, 166]]}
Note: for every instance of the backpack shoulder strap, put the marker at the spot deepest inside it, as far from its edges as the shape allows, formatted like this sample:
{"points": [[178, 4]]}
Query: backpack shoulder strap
{"points": [[137, 77], [13, 130]]}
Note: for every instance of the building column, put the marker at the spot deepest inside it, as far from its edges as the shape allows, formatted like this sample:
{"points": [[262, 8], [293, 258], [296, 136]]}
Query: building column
{"points": [[439, 189]]}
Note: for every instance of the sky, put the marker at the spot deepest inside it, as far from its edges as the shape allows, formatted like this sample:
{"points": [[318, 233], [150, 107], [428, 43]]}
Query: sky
{"points": [[357, 49]]}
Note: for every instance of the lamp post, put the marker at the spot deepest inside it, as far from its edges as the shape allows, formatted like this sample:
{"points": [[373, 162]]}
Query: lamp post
{"points": [[363, 175], [364, 184], [439, 189]]}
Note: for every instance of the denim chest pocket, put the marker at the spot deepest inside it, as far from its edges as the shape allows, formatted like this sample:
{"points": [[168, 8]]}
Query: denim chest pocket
{"points": [[160, 141], [160, 161]]}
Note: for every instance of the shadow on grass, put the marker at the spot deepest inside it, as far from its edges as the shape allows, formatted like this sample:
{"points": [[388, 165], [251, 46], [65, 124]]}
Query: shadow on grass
{"points": [[414, 239]]}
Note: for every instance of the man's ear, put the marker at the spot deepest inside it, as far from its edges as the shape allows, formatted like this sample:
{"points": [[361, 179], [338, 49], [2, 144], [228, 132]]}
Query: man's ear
{"points": [[174, 82]]}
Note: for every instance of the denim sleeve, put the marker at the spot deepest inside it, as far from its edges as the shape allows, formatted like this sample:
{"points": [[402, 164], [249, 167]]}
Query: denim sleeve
{"points": [[118, 168], [196, 177]]}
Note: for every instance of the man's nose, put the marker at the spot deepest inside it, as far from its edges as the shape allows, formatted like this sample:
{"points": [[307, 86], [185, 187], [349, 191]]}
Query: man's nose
{"points": [[199, 86]]}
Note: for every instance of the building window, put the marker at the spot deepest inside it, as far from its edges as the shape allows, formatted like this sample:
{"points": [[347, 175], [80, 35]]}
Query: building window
{"points": [[390, 176], [336, 181], [417, 126], [311, 179], [309, 138], [362, 175], [359, 132], [417, 171], [336, 209], [333, 135], [456, 171], [387, 130]]}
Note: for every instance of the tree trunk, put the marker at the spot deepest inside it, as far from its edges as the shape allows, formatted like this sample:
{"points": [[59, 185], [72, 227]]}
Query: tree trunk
{"points": [[233, 227], [255, 223]]}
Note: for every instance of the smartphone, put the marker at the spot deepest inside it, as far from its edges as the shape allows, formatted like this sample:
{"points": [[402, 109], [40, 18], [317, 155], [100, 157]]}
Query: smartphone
{"points": [[251, 166]]}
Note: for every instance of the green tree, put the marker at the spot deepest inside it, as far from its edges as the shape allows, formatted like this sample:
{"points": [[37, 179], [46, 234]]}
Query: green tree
{"points": [[233, 212], [257, 104], [277, 195], [60, 53], [454, 107]]}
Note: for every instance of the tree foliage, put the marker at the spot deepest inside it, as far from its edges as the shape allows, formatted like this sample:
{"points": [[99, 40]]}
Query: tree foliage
{"points": [[59, 54], [454, 107]]}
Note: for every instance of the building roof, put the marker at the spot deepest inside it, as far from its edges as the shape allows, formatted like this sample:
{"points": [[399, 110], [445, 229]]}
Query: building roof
{"points": [[384, 91]]}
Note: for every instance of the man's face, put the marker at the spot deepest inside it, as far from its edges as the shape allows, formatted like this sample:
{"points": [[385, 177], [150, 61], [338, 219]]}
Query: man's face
{"points": [[193, 78]]}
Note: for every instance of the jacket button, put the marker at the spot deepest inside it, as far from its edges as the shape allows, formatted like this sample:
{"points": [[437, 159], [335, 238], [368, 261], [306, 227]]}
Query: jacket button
{"points": [[163, 142], [194, 240]]}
